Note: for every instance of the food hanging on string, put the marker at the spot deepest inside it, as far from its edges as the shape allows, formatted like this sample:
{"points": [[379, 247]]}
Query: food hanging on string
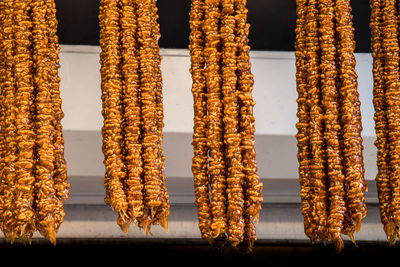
{"points": [[33, 178], [133, 113], [386, 99], [331, 171], [227, 188]]}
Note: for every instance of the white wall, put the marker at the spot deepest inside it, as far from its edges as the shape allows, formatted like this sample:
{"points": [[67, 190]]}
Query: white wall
{"points": [[275, 111], [274, 91]]}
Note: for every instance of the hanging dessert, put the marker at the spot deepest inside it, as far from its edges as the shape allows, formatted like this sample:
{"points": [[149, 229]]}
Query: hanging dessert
{"points": [[133, 113], [386, 99], [227, 188], [33, 175], [331, 170]]}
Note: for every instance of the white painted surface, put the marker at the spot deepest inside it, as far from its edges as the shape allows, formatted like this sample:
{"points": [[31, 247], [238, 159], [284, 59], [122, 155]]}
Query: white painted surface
{"points": [[274, 90], [275, 111]]}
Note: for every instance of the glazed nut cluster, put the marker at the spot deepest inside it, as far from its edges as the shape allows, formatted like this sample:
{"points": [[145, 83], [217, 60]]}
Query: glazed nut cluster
{"points": [[227, 188], [133, 113], [331, 170], [386, 99], [33, 175]]}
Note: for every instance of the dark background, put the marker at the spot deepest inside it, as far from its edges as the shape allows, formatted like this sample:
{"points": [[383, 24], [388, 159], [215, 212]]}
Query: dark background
{"points": [[272, 23]]}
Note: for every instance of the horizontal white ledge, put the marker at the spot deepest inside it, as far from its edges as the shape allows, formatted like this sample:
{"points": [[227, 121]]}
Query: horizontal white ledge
{"points": [[90, 191], [276, 155]]}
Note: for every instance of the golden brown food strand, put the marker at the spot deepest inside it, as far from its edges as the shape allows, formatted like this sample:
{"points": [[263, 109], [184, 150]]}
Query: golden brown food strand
{"points": [[216, 169], [163, 211], [131, 87], [302, 136], [9, 148], [252, 185], [3, 70], [46, 202], [249, 233], [60, 167], [318, 163], [350, 109], [337, 207], [152, 178], [392, 95], [24, 182], [381, 143], [200, 149], [234, 167], [112, 111], [107, 199]]}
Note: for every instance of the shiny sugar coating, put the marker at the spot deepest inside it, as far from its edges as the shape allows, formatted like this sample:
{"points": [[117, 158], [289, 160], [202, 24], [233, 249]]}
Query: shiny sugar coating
{"points": [[226, 184], [331, 171], [133, 113]]}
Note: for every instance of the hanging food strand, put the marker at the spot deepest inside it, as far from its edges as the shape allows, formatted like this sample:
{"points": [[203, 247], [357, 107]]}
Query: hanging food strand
{"points": [[163, 211], [200, 149], [152, 179], [24, 101], [252, 186], [9, 148], [133, 113], [331, 170], [381, 128], [46, 203], [330, 105], [303, 140], [318, 162], [131, 90], [216, 169], [60, 167], [392, 95], [112, 112], [350, 119], [232, 138], [226, 184]]}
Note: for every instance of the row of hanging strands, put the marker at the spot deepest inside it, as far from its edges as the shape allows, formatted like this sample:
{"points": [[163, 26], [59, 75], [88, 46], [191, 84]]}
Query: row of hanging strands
{"points": [[227, 188], [33, 176], [133, 113], [331, 170]]}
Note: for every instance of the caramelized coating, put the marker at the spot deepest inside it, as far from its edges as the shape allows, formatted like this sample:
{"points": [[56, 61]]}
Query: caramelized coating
{"points": [[227, 188], [392, 95], [162, 212], [112, 112], [216, 169], [152, 179], [33, 182], [330, 105], [131, 89], [200, 149], [25, 133], [318, 162], [60, 167], [381, 143], [350, 109], [46, 203], [331, 170], [7, 123], [232, 138], [252, 186], [133, 112], [302, 136]]}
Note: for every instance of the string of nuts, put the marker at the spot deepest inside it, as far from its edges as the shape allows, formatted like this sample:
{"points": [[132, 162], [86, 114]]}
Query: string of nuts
{"points": [[331, 171], [386, 97], [33, 184], [133, 113], [227, 188]]}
